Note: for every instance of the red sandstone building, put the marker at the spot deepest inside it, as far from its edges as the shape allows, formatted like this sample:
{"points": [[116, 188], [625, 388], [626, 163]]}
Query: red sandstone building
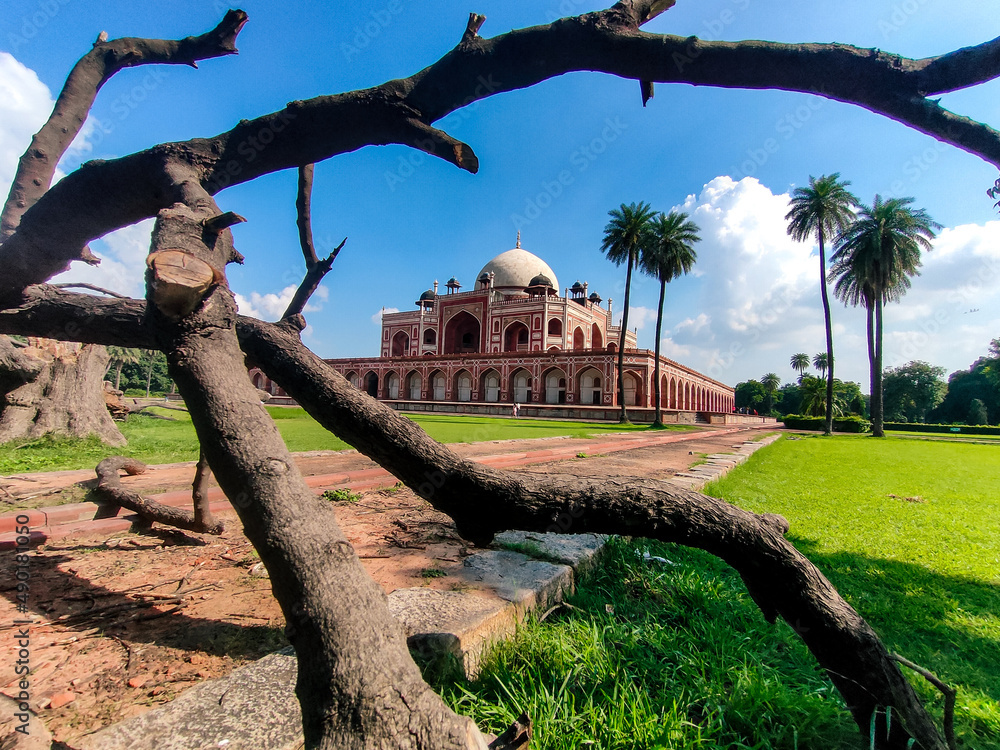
{"points": [[514, 339]]}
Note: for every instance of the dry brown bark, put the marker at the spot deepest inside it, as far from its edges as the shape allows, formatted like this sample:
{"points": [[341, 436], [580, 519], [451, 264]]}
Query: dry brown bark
{"points": [[65, 396], [109, 489], [358, 687]]}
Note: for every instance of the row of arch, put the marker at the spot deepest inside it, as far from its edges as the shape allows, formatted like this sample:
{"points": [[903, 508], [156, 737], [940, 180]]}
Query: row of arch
{"points": [[554, 387], [462, 335]]}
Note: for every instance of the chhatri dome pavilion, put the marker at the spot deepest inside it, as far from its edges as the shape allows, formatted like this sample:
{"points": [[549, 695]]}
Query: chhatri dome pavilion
{"points": [[513, 338]]}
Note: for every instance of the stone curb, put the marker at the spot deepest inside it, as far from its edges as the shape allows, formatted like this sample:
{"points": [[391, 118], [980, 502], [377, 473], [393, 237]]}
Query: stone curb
{"points": [[718, 465]]}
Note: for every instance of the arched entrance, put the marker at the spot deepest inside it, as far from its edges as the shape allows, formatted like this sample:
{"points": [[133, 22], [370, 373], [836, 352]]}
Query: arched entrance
{"points": [[463, 386], [414, 384], [555, 386], [461, 334], [352, 378], [489, 387], [392, 385], [590, 387], [400, 345], [579, 339], [438, 385], [520, 386], [371, 384], [633, 390], [515, 338], [596, 339]]}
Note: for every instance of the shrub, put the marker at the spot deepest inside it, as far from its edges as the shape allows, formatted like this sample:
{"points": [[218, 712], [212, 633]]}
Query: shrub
{"points": [[853, 423], [949, 428]]}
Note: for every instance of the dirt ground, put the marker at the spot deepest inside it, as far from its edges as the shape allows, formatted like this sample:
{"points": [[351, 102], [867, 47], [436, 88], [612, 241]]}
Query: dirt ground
{"points": [[124, 623]]}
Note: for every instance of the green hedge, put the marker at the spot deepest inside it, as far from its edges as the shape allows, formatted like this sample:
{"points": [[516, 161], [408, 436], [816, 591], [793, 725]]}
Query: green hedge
{"points": [[853, 423], [949, 428]]}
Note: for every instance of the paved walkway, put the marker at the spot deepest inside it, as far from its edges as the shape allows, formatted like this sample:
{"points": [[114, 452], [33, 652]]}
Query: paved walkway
{"points": [[323, 470]]}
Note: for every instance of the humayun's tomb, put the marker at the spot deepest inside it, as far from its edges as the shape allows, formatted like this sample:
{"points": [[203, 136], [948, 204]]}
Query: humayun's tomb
{"points": [[514, 339]]}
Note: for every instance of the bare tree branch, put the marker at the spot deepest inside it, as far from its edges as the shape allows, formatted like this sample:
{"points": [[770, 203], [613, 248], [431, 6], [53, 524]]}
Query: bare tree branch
{"points": [[84, 285], [303, 216], [316, 269], [38, 164], [109, 489], [101, 197], [199, 494], [960, 69]]}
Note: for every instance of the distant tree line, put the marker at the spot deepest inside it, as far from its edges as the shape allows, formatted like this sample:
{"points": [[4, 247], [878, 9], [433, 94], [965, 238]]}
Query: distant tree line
{"points": [[914, 392]]}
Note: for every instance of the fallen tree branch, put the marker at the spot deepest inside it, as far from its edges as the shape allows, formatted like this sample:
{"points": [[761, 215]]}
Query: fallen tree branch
{"points": [[949, 693], [779, 578], [109, 489]]}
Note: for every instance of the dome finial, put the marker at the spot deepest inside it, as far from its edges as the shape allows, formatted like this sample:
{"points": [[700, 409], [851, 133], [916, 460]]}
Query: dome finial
{"points": [[518, 239]]}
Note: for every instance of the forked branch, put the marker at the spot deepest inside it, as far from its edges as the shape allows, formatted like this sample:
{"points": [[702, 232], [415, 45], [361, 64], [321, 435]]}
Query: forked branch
{"points": [[316, 269]]}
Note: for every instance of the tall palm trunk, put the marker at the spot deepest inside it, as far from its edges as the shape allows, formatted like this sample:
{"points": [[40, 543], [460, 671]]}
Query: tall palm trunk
{"points": [[828, 427], [118, 374], [623, 418], [657, 420], [878, 412]]}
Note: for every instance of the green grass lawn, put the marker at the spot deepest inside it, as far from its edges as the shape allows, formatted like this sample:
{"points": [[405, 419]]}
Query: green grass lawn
{"points": [[924, 572], [156, 441], [678, 656]]}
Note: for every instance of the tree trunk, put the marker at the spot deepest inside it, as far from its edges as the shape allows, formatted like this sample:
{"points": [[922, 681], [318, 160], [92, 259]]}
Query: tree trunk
{"points": [[118, 374], [65, 397], [623, 417], [828, 426], [149, 370], [657, 419], [357, 684], [878, 410]]}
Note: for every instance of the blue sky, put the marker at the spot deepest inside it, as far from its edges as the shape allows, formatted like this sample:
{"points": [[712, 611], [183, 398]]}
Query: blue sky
{"points": [[728, 157]]}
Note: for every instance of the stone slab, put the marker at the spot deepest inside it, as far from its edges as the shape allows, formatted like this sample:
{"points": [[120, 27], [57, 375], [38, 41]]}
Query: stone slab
{"points": [[451, 627], [252, 708], [524, 582], [578, 550]]}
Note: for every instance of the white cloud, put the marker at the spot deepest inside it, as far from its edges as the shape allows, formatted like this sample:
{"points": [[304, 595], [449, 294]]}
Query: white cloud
{"points": [[759, 302], [377, 317], [638, 317], [123, 261], [25, 104], [270, 306]]}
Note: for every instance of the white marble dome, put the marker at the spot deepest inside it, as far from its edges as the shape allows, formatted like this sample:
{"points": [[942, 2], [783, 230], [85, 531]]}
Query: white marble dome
{"points": [[515, 269]]}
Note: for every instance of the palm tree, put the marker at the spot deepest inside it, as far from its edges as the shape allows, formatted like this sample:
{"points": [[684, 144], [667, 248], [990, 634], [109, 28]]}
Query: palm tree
{"points": [[625, 236], [771, 383], [800, 363], [669, 255], [822, 362], [120, 356], [873, 262], [824, 209], [814, 401]]}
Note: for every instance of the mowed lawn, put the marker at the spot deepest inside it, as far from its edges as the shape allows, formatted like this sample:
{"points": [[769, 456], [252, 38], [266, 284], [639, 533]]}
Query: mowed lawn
{"points": [[909, 533], [157, 441]]}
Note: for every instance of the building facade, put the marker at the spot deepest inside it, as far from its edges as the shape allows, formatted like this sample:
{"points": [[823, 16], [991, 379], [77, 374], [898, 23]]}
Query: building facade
{"points": [[514, 339]]}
